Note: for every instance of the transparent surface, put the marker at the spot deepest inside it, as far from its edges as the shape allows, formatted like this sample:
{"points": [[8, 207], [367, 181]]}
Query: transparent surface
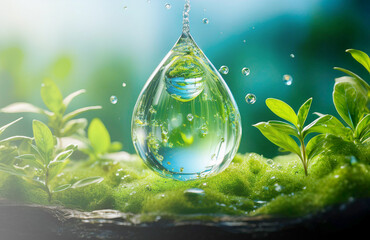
{"points": [[186, 124]]}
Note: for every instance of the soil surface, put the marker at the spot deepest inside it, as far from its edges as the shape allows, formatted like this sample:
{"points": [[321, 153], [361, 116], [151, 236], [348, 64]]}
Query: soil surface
{"points": [[33, 222]]}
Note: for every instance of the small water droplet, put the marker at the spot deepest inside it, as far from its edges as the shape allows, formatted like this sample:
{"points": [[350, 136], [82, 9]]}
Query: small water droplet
{"points": [[205, 20], [168, 6], [277, 187], [287, 79], [250, 98], [124, 7], [194, 192], [124, 84], [113, 99], [244, 41], [224, 70], [292, 55], [190, 117], [246, 71], [204, 130]]}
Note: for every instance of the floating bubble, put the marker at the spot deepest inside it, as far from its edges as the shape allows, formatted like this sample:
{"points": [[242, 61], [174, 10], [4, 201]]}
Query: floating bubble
{"points": [[287, 79], [205, 20], [224, 70], [246, 71], [168, 6], [190, 117], [123, 84], [292, 55], [250, 98], [113, 99]]}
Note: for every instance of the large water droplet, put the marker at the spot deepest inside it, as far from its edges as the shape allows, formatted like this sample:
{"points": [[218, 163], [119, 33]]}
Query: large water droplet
{"points": [[184, 85], [287, 79]]}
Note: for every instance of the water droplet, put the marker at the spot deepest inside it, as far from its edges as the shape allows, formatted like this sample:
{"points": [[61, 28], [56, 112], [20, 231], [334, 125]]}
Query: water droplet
{"points": [[168, 6], [186, 78], [292, 55], [278, 188], [194, 192], [246, 71], [250, 98], [244, 41], [113, 99], [287, 79], [205, 20], [190, 117], [123, 84], [224, 70]]}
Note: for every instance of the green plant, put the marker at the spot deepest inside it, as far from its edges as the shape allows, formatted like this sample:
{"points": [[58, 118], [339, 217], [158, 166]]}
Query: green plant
{"points": [[44, 163], [281, 133], [351, 100], [7, 150], [99, 143], [63, 125]]}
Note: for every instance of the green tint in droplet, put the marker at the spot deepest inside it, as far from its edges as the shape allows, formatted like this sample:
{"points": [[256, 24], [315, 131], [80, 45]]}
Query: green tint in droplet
{"points": [[250, 98], [224, 70], [180, 138]]}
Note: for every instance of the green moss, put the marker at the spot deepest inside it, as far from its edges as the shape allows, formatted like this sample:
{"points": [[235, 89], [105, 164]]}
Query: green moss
{"points": [[251, 185]]}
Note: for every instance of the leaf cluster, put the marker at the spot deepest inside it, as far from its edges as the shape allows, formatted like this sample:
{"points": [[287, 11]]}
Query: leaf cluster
{"points": [[63, 124]]}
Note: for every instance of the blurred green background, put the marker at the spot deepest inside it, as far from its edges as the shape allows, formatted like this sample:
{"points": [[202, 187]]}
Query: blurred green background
{"points": [[98, 45]]}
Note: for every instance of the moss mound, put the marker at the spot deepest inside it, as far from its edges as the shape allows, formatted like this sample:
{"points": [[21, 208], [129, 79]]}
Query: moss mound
{"points": [[251, 185]]}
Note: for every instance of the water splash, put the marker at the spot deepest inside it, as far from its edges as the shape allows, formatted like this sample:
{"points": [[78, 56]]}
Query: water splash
{"points": [[185, 20]]}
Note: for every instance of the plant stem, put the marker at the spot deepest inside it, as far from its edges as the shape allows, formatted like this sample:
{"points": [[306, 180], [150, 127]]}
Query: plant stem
{"points": [[303, 156], [47, 185]]}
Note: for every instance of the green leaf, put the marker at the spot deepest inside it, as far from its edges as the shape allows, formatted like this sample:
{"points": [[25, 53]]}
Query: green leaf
{"points": [[52, 97], [44, 140], [282, 110], [284, 127], [279, 138], [115, 147], [61, 188], [2, 129], [63, 155], [71, 96], [363, 127], [62, 67], [99, 136], [327, 124], [79, 111], [315, 146], [303, 112], [15, 138], [56, 167], [350, 100], [30, 159], [87, 181], [12, 171], [362, 81], [22, 107], [73, 126], [360, 57]]}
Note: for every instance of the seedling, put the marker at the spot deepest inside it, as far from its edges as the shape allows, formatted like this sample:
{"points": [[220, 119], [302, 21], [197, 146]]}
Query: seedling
{"points": [[44, 163], [99, 141], [351, 99], [63, 125], [281, 133]]}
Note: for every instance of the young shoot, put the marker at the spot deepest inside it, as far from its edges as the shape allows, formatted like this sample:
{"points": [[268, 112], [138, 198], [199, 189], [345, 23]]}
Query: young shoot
{"points": [[282, 133], [44, 163], [63, 125]]}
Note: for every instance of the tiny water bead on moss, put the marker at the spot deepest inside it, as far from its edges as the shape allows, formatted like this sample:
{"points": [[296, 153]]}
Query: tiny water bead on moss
{"points": [[184, 138]]}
